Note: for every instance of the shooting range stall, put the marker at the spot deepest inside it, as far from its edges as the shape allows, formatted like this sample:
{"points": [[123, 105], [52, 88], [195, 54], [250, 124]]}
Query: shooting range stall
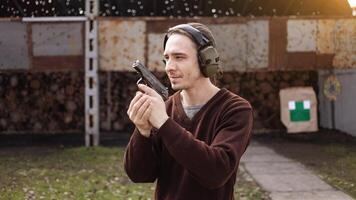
{"points": [[74, 74]]}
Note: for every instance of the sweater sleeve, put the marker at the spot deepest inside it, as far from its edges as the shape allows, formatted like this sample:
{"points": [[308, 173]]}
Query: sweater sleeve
{"points": [[211, 165], [140, 162]]}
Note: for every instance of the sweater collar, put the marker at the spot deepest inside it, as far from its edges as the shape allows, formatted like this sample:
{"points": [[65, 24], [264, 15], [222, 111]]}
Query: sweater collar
{"points": [[180, 110]]}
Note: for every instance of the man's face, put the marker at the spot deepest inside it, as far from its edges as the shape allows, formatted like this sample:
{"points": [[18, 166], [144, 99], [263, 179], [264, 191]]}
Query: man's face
{"points": [[182, 65]]}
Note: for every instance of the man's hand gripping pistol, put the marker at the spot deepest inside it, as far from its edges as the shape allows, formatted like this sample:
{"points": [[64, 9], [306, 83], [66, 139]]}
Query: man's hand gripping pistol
{"points": [[149, 79]]}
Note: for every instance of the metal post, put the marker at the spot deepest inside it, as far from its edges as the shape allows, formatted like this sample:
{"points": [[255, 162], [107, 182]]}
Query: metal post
{"points": [[91, 74]]}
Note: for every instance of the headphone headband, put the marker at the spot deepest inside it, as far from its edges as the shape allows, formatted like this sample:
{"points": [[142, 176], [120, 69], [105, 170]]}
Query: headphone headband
{"points": [[198, 36]]}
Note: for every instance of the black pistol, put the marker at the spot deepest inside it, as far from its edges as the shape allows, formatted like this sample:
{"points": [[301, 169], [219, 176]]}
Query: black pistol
{"points": [[149, 79]]}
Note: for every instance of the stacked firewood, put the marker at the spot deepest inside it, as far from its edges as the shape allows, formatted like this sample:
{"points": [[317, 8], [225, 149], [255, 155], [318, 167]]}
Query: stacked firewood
{"points": [[51, 102], [261, 89], [42, 102]]}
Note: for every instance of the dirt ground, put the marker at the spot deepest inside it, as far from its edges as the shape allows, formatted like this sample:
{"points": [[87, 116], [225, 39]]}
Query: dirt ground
{"points": [[304, 145]]}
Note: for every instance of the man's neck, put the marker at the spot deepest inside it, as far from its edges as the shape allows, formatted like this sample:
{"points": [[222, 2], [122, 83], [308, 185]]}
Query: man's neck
{"points": [[198, 95]]}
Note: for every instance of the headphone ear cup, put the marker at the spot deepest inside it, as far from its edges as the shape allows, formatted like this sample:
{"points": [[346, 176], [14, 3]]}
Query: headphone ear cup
{"points": [[209, 61]]}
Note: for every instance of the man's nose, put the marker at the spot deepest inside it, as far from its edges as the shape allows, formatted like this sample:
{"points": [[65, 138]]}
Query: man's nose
{"points": [[170, 65]]}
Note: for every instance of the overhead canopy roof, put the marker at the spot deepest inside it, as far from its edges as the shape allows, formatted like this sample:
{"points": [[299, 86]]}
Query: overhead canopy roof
{"points": [[28, 8]]}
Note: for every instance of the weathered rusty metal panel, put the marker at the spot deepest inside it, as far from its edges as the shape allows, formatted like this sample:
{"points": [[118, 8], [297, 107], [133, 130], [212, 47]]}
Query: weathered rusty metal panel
{"points": [[243, 43], [161, 25], [121, 43], [57, 39], [345, 59], [301, 35], [231, 42], [345, 34], [57, 63], [155, 51], [257, 43], [13, 46], [345, 44], [301, 60], [324, 61], [277, 43], [325, 36]]}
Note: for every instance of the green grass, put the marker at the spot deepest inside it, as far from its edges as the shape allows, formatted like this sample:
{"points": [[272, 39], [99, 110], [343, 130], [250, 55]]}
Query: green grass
{"points": [[247, 188], [80, 173], [340, 170]]}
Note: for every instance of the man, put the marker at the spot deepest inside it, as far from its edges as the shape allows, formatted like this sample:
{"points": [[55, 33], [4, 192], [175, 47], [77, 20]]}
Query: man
{"points": [[192, 143]]}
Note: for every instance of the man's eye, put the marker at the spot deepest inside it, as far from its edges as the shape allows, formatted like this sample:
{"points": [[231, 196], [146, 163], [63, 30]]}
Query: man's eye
{"points": [[179, 57]]}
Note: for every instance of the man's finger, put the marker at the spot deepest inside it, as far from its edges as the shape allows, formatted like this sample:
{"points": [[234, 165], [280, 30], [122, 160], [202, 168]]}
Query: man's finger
{"points": [[134, 100], [146, 114], [147, 90], [143, 108], [137, 106]]}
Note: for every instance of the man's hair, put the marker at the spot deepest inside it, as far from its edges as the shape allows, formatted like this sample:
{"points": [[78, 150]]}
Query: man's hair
{"points": [[201, 27]]}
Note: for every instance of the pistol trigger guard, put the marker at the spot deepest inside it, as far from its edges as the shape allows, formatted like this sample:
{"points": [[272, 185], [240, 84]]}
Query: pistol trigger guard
{"points": [[140, 81]]}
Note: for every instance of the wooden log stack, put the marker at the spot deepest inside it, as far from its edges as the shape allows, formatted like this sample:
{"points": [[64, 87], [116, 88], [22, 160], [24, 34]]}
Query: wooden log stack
{"points": [[42, 102], [53, 102]]}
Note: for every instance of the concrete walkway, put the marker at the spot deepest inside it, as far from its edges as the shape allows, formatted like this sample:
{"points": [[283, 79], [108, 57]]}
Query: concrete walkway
{"points": [[284, 178]]}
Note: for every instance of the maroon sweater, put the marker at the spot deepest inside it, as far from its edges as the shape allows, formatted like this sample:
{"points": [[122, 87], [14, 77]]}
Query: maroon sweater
{"points": [[193, 158]]}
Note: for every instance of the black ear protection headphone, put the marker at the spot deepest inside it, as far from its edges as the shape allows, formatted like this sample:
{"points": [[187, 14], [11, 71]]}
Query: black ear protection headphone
{"points": [[208, 56]]}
